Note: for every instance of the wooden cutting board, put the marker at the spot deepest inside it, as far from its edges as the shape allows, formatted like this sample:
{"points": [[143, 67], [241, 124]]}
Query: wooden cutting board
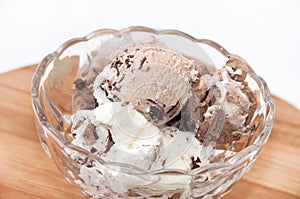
{"points": [[26, 172]]}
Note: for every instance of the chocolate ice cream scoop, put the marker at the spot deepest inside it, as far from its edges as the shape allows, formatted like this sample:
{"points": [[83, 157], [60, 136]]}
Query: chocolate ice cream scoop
{"points": [[156, 81]]}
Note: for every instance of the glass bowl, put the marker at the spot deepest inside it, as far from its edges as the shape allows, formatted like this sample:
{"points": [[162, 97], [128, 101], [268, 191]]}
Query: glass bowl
{"points": [[52, 89]]}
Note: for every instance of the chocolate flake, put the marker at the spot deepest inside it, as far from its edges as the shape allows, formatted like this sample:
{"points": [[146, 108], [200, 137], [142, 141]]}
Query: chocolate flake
{"points": [[88, 162], [163, 163], [127, 62], [110, 136], [110, 141], [98, 172], [195, 162], [93, 150], [116, 65], [96, 103], [142, 62]]}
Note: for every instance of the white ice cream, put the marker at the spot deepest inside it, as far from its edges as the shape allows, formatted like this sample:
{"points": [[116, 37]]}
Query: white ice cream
{"points": [[136, 141]]}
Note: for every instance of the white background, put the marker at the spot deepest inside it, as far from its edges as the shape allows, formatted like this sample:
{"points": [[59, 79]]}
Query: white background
{"points": [[265, 33]]}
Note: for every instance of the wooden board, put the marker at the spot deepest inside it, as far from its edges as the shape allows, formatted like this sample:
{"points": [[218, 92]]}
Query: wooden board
{"points": [[26, 172]]}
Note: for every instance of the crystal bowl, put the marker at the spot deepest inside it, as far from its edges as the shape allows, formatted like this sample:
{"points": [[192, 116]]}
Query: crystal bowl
{"points": [[52, 87]]}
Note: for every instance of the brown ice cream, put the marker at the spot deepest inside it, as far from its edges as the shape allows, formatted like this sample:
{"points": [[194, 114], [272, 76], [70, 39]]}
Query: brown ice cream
{"points": [[237, 109]]}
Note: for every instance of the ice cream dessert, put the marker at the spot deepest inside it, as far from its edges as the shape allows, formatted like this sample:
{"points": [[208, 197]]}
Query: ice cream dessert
{"points": [[149, 106]]}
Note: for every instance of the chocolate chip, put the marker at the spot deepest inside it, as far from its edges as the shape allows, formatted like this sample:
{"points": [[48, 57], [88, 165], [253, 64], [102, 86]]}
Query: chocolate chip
{"points": [[156, 113]]}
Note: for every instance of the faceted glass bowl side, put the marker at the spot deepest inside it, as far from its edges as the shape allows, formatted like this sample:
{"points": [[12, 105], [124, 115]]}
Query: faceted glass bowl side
{"points": [[52, 104]]}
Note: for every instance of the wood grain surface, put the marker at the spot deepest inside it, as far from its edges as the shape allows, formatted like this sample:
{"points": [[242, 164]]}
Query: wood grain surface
{"points": [[26, 172]]}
